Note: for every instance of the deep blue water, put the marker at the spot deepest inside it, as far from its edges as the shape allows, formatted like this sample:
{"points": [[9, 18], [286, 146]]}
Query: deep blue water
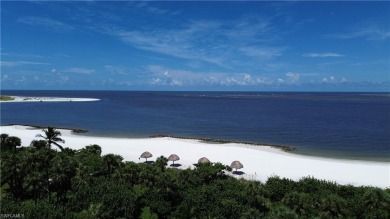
{"points": [[353, 125]]}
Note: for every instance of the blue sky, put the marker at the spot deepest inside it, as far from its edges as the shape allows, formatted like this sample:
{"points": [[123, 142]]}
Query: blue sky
{"points": [[200, 45]]}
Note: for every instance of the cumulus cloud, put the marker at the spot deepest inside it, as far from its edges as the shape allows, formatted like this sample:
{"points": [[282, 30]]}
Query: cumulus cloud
{"points": [[293, 77], [161, 76], [63, 79], [174, 77], [20, 81], [333, 80]]}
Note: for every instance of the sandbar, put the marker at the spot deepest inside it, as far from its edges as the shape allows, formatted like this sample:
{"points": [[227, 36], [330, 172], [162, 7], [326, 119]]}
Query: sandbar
{"points": [[46, 99]]}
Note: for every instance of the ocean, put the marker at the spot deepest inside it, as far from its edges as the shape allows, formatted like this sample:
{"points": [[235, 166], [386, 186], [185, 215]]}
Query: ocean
{"points": [[341, 125]]}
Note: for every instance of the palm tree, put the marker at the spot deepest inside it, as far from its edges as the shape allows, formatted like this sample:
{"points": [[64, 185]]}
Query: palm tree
{"points": [[51, 136], [9, 142], [375, 198], [111, 162], [34, 184], [14, 142], [94, 149], [3, 138], [39, 144], [63, 169], [45, 154], [161, 162]]}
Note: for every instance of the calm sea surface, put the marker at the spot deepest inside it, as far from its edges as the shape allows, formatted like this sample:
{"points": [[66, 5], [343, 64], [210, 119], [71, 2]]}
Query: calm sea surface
{"points": [[351, 125]]}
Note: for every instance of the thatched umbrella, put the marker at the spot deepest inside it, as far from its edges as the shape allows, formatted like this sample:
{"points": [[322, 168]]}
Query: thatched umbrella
{"points": [[203, 160], [146, 155], [173, 157], [236, 165]]}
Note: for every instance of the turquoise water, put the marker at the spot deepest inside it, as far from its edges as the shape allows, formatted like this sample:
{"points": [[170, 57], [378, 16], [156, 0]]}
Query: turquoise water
{"points": [[352, 125]]}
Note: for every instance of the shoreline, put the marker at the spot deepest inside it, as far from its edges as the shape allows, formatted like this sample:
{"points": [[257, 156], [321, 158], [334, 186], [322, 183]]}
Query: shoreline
{"points": [[283, 148], [22, 99], [259, 162]]}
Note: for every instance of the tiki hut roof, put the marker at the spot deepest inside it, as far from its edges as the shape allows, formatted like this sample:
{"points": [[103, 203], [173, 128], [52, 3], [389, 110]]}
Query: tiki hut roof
{"points": [[146, 154], [203, 160], [236, 165], [173, 157]]}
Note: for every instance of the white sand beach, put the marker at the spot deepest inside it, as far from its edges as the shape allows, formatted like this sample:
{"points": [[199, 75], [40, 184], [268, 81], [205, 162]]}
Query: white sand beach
{"points": [[259, 162], [45, 99]]}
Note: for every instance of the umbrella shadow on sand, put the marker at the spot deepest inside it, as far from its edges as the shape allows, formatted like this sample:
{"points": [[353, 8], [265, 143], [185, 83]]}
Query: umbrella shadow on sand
{"points": [[175, 165], [238, 172]]}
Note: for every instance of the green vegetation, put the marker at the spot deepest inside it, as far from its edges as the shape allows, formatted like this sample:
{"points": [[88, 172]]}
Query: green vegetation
{"points": [[40, 182], [6, 98]]}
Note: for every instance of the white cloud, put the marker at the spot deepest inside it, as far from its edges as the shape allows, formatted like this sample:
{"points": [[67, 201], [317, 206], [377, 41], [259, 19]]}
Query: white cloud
{"points": [[174, 77], [261, 52], [162, 76], [108, 82], [20, 63], [322, 55], [116, 70], [333, 80], [22, 80], [205, 40], [151, 9], [293, 77], [45, 22], [176, 82], [79, 70], [371, 32], [170, 42], [24, 55], [64, 79], [156, 81], [126, 83]]}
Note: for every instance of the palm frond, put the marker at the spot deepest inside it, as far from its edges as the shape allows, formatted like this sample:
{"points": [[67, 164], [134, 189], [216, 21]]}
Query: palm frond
{"points": [[58, 139], [40, 136], [59, 146]]}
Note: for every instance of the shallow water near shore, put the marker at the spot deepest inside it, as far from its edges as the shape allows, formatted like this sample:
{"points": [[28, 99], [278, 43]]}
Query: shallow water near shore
{"points": [[341, 125]]}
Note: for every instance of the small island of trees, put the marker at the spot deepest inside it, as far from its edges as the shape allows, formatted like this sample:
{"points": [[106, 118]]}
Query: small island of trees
{"points": [[39, 181]]}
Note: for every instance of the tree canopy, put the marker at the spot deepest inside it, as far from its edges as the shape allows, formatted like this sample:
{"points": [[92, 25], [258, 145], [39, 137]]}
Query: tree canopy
{"points": [[40, 182]]}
